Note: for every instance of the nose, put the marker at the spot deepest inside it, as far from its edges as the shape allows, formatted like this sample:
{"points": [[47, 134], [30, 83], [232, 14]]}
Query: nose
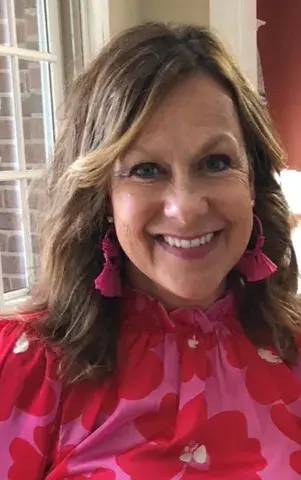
{"points": [[186, 203]]}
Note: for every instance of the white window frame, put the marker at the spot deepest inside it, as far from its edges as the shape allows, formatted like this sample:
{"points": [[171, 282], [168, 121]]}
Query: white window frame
{"points": [[56, 77], [95, 23]]}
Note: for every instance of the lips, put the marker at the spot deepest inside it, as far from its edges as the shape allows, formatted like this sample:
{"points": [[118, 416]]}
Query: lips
{"points": [[193, 246], [190, 248]]}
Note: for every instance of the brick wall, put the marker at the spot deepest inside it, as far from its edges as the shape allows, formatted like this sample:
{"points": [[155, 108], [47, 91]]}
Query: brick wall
{"points": [[11, 218]]}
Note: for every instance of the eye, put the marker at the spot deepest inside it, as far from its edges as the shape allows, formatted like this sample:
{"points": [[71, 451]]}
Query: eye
{"points": [[217, 163], [146, 171]]}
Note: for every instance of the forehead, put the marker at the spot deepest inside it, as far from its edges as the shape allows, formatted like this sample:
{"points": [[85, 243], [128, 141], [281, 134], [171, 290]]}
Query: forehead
{"points": [[196, 109]]}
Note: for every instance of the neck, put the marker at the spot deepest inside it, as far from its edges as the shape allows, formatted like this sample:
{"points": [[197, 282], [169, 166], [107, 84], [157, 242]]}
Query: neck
{"points": [[170, 300]]}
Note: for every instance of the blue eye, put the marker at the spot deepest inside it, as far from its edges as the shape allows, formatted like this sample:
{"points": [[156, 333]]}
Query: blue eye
{"points": [[217, 163], [145, 171]]}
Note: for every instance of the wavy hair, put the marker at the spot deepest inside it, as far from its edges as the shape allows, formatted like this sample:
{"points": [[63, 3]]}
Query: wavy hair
{"points": [[107, 107]]}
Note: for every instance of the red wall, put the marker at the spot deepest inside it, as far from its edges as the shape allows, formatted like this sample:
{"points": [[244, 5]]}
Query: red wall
{"points": [[279, 43]]}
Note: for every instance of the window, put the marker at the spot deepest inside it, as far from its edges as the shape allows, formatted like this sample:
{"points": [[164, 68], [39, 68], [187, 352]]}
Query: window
{"points": [[290, 183], [31, 86], [290, 179]]}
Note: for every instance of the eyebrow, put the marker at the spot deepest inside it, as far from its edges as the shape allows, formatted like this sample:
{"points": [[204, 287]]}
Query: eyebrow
{"points": [[212, 142], [223, 137]]}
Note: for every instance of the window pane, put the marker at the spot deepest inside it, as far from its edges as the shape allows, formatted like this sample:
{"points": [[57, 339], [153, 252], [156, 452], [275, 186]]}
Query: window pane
{"points": [[4, 32], [31, 25], [8, 150], [36, 197], [11, 237], [296, 237], [36, 112]]}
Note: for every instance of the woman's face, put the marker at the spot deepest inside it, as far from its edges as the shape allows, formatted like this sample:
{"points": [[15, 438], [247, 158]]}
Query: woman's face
{"points": [[181, 196]]}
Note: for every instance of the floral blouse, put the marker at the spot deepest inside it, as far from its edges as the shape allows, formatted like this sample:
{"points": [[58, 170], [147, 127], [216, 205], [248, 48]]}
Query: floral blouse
{"points": [[191, 398]]}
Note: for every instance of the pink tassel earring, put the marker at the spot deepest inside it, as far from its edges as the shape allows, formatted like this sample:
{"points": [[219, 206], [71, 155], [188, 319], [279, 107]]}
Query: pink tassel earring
{"points": [[108, 282], [254, 264]]}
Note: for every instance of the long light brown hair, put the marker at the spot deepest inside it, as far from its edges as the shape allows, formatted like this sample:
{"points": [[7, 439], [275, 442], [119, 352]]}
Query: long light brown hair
{"points": [[107, 107]]}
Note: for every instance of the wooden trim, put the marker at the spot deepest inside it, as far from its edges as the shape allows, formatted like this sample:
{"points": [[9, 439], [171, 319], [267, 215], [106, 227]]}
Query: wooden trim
{"points": [[236, 22]]}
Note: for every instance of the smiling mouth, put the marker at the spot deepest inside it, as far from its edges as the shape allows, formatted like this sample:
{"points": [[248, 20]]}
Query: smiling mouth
{"points": [[184, 243]]}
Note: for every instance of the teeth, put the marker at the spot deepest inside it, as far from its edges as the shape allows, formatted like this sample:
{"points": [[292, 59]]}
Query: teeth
{"points": [[170, 241], [183, 243], [195, 242]]}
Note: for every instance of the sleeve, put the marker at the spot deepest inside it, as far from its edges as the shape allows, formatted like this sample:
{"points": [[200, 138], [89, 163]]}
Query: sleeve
{"points": [[29, 401]]}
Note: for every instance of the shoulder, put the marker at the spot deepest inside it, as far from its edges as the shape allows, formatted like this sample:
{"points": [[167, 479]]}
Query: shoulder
{"points": [[28, 369], [20, 339], [29, 406]]}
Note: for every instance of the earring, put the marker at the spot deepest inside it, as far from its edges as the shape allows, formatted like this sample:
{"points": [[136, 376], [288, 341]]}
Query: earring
{"points": [[110, 219], [253, 203], [108, 281], [254, 264]]}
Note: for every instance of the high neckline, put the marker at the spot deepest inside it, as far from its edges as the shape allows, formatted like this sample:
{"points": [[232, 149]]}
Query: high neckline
{"points": [[144, 312]]}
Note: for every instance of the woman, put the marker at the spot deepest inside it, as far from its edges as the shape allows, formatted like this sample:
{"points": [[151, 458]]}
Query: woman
{"points": [[162, 338]]}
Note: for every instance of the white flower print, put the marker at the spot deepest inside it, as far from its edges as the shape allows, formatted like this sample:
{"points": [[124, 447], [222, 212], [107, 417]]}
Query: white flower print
{"points": [[197, 453], [21, 344], [193, 342], [268, 356]]}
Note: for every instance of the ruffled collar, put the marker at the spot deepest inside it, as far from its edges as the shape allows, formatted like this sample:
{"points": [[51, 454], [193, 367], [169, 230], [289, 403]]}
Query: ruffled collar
{"points": [[143, 312]]}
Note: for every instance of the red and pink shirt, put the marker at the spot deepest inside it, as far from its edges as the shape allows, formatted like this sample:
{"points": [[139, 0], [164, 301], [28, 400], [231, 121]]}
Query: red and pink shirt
{"points": [[191, 398]]}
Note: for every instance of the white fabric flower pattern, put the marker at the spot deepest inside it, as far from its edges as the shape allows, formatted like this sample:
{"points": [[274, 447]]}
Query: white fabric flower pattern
{"points": [[269, 356], [21, 344], [193, 342], [197, 453]]}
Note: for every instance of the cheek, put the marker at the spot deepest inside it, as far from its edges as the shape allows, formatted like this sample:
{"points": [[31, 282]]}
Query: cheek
{"points": [[132, 212], [235, 197], [234, 205], [240, 213], [123, 204]]}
